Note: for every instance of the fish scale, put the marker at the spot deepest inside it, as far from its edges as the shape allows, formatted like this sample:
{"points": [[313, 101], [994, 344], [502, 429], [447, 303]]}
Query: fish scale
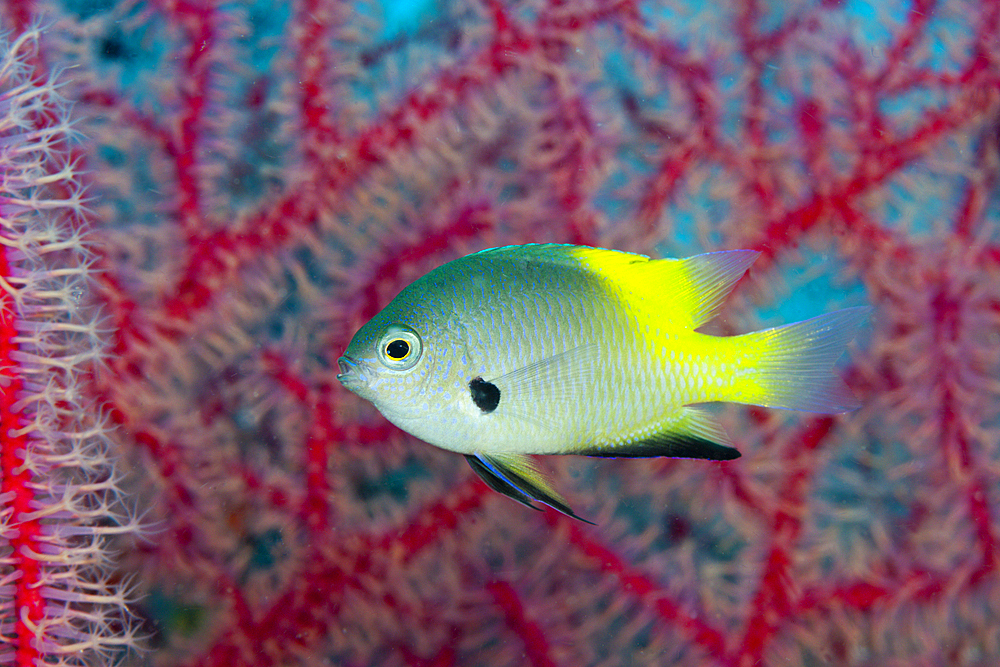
{"points": [[560, 349]]}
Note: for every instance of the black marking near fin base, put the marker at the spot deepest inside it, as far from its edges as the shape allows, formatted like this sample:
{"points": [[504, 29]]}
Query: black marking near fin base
{"points": [[677, 445], [485, 395], [690, 433]]}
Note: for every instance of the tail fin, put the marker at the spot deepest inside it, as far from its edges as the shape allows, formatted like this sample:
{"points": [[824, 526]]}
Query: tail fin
{"points": [[795, 367]]}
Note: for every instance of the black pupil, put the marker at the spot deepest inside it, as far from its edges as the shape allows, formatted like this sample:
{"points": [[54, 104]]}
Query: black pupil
{"points": [[397, 349]]}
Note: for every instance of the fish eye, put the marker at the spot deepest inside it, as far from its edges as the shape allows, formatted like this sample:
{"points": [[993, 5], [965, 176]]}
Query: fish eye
{"points": [[399, 348]]}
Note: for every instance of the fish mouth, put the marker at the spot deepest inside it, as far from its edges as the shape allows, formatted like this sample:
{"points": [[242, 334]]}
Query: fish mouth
{"points": [[349, 371], [355, 375]]}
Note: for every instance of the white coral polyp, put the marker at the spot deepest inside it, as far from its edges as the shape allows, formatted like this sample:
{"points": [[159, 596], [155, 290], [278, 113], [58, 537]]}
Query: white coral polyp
{"points": [[76, 503]]}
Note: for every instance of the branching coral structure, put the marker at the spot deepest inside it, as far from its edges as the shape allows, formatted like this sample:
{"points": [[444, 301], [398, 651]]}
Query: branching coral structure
{"points": [[266, 176], [61, 602]]}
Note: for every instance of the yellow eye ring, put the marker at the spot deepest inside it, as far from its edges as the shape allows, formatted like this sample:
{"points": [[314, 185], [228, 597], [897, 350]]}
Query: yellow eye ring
{"points": [[399, 348]]}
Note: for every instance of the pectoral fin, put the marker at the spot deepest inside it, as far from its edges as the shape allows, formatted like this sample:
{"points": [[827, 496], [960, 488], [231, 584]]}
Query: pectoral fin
{"points": [[516, 476]]}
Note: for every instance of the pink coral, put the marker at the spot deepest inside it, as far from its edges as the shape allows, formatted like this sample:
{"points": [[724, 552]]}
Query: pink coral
{"points": [[268, 178]]}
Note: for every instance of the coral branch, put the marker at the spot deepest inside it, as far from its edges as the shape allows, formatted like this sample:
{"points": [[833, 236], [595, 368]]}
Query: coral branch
{"points": [[58, 487]]}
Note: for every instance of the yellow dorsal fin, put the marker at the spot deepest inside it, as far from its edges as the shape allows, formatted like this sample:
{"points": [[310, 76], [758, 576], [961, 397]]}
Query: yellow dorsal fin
{"points": [[686, 292]]}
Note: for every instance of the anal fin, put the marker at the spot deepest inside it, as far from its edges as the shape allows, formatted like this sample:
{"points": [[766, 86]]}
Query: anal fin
{"points": [[692, 434], [515, 476]]}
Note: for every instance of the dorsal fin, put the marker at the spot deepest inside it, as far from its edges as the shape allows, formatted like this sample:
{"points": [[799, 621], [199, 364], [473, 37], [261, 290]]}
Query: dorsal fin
{"points": [[687, 292], [710, 279]]}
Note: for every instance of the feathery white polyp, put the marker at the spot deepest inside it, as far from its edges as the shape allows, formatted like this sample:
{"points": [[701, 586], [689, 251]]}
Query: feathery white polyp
{"points": [[58, 487]]}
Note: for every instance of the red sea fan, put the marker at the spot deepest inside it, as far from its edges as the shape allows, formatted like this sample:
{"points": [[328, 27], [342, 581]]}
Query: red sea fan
{"points": [[268, 175]]}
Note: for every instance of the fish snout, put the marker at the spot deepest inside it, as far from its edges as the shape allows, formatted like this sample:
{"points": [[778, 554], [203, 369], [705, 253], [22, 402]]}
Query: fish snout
{"points": [[350, 372]]}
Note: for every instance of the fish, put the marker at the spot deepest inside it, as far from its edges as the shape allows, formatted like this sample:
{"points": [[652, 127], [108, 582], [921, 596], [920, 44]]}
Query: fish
{"points": [[535, 349]]}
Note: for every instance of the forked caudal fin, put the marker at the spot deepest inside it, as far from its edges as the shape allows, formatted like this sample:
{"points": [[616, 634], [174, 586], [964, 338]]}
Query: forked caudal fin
{"points": [[794, 369]]}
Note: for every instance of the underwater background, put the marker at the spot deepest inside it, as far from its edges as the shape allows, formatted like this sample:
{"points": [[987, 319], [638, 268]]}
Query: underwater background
{"points": [[265, 176]]}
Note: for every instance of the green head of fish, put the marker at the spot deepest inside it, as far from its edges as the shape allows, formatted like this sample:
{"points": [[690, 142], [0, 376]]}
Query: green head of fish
{"points": [[428, 361], [402, 360], [386, 359]]}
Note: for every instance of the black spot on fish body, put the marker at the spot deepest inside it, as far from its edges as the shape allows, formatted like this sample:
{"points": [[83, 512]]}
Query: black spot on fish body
{"points": [[485, 395]]}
